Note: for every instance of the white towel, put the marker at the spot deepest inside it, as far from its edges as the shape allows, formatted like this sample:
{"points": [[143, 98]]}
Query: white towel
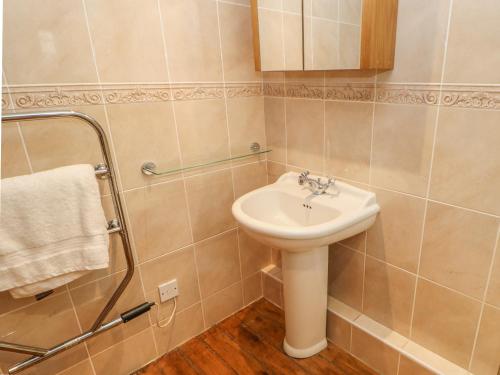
{"points": [[52, 229]]}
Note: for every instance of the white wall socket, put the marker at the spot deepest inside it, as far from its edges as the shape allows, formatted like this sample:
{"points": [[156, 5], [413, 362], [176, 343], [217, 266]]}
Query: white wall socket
{"points": [[168, 290]]}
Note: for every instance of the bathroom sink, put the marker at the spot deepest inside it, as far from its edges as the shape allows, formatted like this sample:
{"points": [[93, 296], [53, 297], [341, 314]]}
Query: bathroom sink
{"points": [[288, 216], [301, 216]]}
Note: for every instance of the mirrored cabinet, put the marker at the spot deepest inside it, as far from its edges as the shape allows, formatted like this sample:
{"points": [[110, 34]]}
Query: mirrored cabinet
{"points": [[324, 34]]}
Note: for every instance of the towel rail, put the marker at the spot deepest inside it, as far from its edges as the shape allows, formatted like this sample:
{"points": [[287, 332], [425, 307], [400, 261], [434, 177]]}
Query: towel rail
{"points": [[117, 225]]}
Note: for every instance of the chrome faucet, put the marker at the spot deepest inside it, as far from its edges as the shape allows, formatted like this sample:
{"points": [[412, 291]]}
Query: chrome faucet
{"points": [[317, 187]]}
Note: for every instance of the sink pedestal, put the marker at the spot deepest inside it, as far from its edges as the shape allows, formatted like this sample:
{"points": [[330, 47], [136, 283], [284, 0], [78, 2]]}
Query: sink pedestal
{"points": [[305, 283]]}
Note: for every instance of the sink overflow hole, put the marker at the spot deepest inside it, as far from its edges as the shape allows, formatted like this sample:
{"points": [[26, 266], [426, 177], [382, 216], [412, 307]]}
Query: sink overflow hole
{"points": [[306, 206]]}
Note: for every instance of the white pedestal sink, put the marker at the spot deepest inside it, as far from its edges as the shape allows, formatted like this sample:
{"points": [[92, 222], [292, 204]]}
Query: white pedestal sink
{"points": [[289, 217]]}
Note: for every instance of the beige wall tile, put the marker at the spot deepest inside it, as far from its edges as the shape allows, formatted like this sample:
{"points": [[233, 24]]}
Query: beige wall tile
{"points": [[493, 295], [13, 158], [457, 248], [445, 322], [292, 34], [210, 195], [350, 11], [117, 260], [135, 34], [276, 257], [252, 288], [192, 38], [304, 127], [338, 331], [91, 298], [52, 144], [420, 41], [272, 56], [222, 304], [388, 296], [158, 219], [43, 324], [274, 109], [246, 123], [275, 171], [395, 235], [203, 134], [134, 145], [324, 44], [467, 159], [402, 146], [486, 359], [254, 255], [326, 9], [218, 263], [408, 367], [345, 275], [236, 39], [349, 46], [357, 242], [272, 290], [82, 368], [179, 265], [374, 353], [348, 137], [48, 41], [187, 323], [127, 356], [474, 34], [249, 177]]}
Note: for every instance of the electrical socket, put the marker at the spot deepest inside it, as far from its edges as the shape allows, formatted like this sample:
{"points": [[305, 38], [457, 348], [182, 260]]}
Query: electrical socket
{"points": [[168, 290]]}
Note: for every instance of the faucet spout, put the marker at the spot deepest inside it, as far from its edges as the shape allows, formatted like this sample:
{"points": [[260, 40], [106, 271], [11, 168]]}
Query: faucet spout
{"points": [[317, 187]]}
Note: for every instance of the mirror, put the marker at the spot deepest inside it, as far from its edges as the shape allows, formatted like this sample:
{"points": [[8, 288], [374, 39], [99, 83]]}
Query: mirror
{"points": [[324, 34], [280, 31], [332, 34]]}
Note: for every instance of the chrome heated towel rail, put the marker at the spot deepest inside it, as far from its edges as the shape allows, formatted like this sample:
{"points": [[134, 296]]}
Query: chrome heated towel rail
{"points": [[118, 225]]}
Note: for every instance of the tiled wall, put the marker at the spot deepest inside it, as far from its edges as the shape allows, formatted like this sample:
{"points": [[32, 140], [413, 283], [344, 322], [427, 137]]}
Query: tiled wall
{"points": [[171, 81], [426, 138]]}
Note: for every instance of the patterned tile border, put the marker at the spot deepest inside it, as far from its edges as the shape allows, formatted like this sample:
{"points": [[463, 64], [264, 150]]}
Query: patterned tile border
{"points": [[408, 94], [34, 97], [479, 97], [476, 97]]}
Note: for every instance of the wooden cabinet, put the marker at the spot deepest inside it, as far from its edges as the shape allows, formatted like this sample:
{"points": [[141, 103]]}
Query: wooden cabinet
{"points": [[324, 34]]}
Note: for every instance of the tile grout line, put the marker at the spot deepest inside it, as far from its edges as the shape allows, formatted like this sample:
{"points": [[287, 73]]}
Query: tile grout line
{"points": [[347, 180], [186, 195], [372, 128], [429, 178], [229, 144], [85, 345], [112, 148], [485, 294]]}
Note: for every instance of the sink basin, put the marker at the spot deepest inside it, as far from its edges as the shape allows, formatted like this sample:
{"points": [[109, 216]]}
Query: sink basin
{"points": [[288, 216]]}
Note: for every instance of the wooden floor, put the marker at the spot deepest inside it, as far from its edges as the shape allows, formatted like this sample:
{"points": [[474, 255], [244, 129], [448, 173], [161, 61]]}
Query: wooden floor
{"points": [[250, 342]]}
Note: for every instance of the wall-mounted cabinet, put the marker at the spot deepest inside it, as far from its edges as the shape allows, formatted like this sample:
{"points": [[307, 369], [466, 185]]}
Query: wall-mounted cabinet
{"points": [[324, 34]]}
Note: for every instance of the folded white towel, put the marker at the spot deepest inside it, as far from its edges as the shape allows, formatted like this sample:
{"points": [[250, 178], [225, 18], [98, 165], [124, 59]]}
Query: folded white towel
{"points": [[52, 229]]}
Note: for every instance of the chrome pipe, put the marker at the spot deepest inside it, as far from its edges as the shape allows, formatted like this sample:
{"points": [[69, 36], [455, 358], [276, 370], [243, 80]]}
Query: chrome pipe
{"points": [[115, 195], [63, 346], [23, 349], [124, 318]]}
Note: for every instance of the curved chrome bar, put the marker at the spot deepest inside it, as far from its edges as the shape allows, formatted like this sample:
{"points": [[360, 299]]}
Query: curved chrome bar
{"points": [[114, 194]]}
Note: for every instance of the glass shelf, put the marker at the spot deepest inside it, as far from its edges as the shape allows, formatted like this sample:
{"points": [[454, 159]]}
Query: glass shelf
{"points": [[149, 168]]}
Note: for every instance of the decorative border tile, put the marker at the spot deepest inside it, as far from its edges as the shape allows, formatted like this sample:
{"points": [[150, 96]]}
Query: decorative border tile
{"points": [[350, 92], [34, 97], [274, 89], [301, 90], [478, 97], [408, 94]]}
